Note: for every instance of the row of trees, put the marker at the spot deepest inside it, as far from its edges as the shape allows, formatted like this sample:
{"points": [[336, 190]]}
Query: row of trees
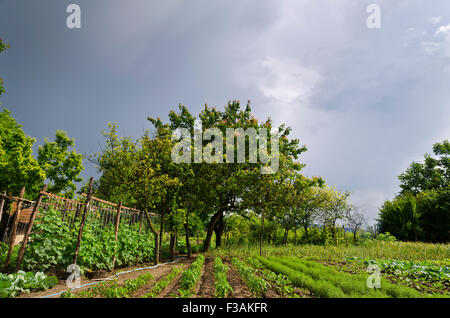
{"points": [[421, 211], [313, 218], [201, 196]]}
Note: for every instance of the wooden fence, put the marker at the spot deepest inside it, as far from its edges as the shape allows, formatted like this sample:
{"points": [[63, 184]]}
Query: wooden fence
{"points": [[17, 216]]}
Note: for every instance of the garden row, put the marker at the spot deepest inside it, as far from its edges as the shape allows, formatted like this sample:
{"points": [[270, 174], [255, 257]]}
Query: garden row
{"points": [[325, 281]]}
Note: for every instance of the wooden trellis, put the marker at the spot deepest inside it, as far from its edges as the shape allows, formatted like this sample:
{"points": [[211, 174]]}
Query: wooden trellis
{"points": [[17, 216]]}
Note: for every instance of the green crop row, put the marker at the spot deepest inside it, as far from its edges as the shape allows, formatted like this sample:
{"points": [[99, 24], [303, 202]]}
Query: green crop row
{"points": [[393, 290], [351, 285], [223, 288], [257, 285], [163, 283], [416, 270], [112, 289], [279, 282], [190, 276], [326, 281], [319, 287]]}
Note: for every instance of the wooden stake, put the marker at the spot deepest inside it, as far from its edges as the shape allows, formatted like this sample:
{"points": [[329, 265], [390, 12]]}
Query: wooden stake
{"points": [[83, 220], [12, 237], [116, 230], [140, 222], [30, 226]]}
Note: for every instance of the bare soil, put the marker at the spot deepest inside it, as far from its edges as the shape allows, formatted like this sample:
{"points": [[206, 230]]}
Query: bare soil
{"points": [[207, 289]]}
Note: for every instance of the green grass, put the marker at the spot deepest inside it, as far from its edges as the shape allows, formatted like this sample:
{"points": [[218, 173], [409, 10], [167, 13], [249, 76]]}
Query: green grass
{"points": [[411, 251]]}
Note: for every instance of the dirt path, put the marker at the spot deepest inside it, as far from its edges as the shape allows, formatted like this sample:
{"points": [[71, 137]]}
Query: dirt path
{"points": [[207, 289]]}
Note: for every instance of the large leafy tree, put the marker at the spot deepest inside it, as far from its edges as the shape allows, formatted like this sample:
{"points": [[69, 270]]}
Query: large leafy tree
{"points": [[139, 172], [434, 214], [421, 210], [431, 174], [400, 218], [18, 167], [61, 163], [335, 208], [221, 186], [308, 202]]}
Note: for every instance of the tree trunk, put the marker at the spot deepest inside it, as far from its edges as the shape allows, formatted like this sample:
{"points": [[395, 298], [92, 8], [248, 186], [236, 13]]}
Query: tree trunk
{"points": [[286, 231], [210, 230], [218, 229], [306, 231], [188, 243], [152, 228], [161, 231], [261, 234], [172, 246]]}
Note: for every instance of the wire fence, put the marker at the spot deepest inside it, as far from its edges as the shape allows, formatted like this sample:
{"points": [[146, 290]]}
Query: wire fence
{"points": [[79, 224]]}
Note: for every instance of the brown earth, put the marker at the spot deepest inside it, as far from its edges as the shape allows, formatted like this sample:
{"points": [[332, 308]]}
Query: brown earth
{"points": [[207, 289]]}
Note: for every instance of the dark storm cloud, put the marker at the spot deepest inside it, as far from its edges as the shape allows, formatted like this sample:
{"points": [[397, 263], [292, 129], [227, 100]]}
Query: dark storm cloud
{"points": [[366, 102]]}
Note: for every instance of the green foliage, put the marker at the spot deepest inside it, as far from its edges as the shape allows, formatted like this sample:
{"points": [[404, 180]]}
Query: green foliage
{"points": [[52, 245], [61, 164], [415, 270], [434, 214], [278, 282], [432, 174], [401, 218], [414, 251], [424, 216], [128, 288], [18, 168], [257, 285], [223, 288], [23, 282], [421, 210], [191, 275]]}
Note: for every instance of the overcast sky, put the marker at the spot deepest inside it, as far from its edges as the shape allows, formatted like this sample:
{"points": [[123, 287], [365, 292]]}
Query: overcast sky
{"points": [[366, 102]]}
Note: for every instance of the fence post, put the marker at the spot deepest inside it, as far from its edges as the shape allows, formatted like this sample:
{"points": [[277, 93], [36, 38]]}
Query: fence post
{"points": [[66, 206], [12, 237], [83, 220], [30, 226], [116, 231], [2, 204], [140, 222]]}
